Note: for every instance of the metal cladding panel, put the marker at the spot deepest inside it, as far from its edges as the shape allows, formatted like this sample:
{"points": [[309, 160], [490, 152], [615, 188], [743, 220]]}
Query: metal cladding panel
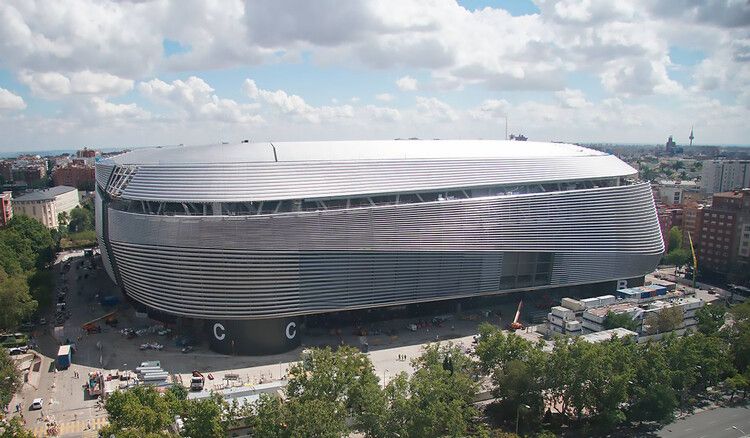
{"points": [[298, 263], [99, 210], [103, 172], [614, 219], [320, 179]]}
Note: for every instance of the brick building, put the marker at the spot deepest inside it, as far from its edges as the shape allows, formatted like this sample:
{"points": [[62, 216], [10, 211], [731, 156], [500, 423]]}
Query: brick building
{"points": [[721, 232], [6, 208], [81, 177]]}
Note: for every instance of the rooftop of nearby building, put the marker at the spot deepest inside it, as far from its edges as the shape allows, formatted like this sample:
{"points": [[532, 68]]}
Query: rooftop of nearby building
{"points": [[736, 194], [606, 335], [686, 183], [45, 194]]}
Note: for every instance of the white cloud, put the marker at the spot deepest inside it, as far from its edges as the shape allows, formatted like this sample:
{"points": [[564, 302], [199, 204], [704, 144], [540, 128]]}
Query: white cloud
{"points": [[108, 110], [195, 99], [569, 98], [54, 85], [490, 109], [294, 105], [435, 110], [10, 101], [406, 83], [384, 97]]}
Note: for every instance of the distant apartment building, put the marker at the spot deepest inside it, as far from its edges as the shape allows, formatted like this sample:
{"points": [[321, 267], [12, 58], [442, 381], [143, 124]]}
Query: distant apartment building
{"points": [[669, 216], [675, 192], [80, 176], [725, 175], [45, 205], [6, 171], [721, 231], [6, 208]]}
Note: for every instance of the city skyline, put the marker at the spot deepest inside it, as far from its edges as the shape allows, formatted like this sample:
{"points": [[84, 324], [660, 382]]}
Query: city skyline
{"points": [[146, 73]]}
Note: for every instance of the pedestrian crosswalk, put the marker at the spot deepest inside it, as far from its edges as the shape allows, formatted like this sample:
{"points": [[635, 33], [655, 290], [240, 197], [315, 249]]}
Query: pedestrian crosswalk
{"points": [[85, 428]]}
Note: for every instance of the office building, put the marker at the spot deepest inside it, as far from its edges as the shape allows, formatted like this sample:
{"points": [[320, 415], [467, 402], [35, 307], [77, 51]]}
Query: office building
{"points": [[45, 205]]}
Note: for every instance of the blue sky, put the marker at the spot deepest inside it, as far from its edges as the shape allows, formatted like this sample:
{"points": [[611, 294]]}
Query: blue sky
{"points": [[193, 72]]}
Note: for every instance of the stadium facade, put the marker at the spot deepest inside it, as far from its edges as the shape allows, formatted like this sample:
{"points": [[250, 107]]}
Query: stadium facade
{"points": [[250, 237]]}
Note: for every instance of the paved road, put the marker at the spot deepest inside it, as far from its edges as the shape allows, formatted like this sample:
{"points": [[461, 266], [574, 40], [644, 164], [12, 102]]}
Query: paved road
{"points": [[717, 423]]}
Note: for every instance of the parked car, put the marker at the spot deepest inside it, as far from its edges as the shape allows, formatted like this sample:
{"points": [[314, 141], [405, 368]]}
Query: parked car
{"points": [[18, 350], [188, 349], [36, 404]]}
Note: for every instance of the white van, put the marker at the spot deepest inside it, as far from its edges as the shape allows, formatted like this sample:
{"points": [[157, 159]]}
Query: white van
{"points": [[36, 404]]}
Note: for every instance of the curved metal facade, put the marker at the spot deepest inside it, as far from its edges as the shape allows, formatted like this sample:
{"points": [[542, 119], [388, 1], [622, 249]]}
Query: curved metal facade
{"points": [[288, 264]]}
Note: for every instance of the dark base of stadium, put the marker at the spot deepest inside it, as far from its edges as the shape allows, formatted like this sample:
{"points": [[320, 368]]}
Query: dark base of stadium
{"points": [[274, 336]]}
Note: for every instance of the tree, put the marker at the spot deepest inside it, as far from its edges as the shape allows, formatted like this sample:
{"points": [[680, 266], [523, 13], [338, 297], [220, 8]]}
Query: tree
{"points": [[710, 318], [675, 238], [10, 376], [206, 418], [38, 236], [345, 378], [678, 257], [62, 219], [312, 418], [663, 321], [81, 219], [14, 429], [652, 398], [141, 410], [496, 348], [441, 400], [16, 303], [615, 320], [739, 336], [269, 417]]}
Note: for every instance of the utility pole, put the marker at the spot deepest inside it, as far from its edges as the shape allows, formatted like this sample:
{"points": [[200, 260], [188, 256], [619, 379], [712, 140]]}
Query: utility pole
{"points": [[506, 126]]}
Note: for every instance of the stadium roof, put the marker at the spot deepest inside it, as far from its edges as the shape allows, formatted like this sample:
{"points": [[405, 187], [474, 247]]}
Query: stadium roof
{"points": [[350, 151]]}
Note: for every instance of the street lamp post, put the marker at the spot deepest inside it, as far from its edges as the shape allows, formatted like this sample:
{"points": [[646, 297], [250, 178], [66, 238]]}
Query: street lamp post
{"points": [[739, 430], [518, 411]]}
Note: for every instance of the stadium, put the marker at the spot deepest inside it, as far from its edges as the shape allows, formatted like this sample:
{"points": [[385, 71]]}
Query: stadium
{"points": [[249, 238]]}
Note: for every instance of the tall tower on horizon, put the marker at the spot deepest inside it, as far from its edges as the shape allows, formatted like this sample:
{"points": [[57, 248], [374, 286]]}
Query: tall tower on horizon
{"points": [[691, 136]]}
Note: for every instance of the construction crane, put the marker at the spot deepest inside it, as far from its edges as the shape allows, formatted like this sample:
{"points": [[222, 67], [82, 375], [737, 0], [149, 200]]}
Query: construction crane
{"points": [[516, 324], [695, 258]]}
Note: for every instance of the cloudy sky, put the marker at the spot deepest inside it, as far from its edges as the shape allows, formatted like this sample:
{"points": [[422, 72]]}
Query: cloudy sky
{"points": [[136, 73]]}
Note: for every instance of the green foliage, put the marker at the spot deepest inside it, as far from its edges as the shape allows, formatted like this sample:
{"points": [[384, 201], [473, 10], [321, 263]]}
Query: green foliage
{"points": [[614, 320], [26, 247], [16, 302], [678, 257], [141, 409], [652, 398], [739, 336], [663, 321], [10, 376], [14, 429], [710, 318], [81, 239], [205, 418], [337, 393], [675, 238], [497, 347], [441, 400], [38, 236], [81, 219]]}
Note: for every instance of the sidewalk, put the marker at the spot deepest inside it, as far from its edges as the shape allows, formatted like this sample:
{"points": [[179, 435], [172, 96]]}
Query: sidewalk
{"points": [[79, 427]]}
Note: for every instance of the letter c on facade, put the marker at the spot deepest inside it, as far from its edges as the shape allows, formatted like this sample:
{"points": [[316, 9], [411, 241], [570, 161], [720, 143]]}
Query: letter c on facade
{"points": [[291, 330], [223, 334]]}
